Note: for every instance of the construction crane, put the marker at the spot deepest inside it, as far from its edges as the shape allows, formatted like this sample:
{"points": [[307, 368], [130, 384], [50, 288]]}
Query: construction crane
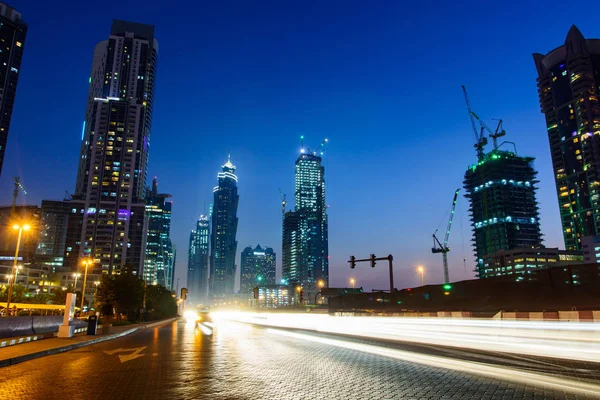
{"points": [[18, 187], [480, 139], [443, 248], [283, 202], [322, 146]]}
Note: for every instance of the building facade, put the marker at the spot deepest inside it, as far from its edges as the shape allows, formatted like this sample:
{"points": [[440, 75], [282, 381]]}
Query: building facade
{"points": [[568, 84], [53, 232], [274, 296], [257, 267], [107, 221], [305, 230], [503, 206], [198, 253], [521, 262], [158, 263], [22, 215], [223, 236], [12, 34]]}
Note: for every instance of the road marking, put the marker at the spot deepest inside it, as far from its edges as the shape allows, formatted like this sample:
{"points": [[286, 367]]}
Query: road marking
{"points": [[127, 357]]}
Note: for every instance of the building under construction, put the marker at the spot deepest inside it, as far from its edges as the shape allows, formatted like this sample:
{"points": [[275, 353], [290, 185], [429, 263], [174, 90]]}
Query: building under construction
{"points": [[503, 207]]}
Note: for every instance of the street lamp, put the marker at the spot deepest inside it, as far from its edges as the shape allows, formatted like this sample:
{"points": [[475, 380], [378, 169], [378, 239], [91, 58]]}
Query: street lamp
{"points": [[421, 269], [87, 262], [352, 282], [21, 228], [321, 284]]}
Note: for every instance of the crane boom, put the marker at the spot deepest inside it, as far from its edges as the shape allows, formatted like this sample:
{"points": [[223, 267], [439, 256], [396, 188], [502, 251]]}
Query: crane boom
{"points": [[451, 217], [18, 187], [480, 139], [443, 248]]}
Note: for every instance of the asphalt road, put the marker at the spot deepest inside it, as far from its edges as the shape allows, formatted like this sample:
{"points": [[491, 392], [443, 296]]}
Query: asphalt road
{"points": [[178, 361]]}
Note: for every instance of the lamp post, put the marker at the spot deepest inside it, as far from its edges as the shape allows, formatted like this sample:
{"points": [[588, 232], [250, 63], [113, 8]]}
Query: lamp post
{"points": [[21, 228], [86, 263], [352, 282], [421, 269]]}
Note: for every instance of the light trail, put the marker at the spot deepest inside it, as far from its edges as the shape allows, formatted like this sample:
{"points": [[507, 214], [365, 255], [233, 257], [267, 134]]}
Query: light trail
{"points": [[494, 372], [565, 340]]}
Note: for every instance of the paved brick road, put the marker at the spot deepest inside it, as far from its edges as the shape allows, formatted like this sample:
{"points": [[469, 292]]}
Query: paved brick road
{"points": [[240, 362]]}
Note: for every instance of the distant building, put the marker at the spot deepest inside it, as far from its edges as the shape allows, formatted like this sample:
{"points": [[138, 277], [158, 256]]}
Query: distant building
{"points": [[12, 32], [223, 235], [158, 264], [503, 206], [257, 268], [53, 230], [568, 86], [198, 253], [305, 231], [274, 296], [22, 215], [591, 249], [520, 262], [107, 221]]}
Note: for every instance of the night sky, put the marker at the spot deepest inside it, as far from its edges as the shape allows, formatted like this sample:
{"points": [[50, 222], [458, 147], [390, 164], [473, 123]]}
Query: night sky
{"points": [[380, 79]]}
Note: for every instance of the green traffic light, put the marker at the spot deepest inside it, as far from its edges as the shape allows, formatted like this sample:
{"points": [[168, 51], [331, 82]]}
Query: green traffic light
{"points": [[447, 286]]}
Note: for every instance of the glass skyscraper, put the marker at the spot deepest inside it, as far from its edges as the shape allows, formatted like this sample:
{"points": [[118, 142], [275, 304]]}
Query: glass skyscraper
{"points": [[197, 276], [12, 42], [107, 221], [223, 236], [159, 261], [305, 230], [568, 85], [257, 268]]}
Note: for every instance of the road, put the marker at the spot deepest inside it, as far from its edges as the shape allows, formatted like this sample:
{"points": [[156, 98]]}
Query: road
{"points": [[178, 361]]}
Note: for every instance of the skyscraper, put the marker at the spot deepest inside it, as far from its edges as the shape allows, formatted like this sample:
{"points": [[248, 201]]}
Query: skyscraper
{"points": [[107, 221], [223, 236], [197, 276], [158, 265], [503, 207], [568, 84], [257, 268], [12, 35], [53, 231], [305, 230]]}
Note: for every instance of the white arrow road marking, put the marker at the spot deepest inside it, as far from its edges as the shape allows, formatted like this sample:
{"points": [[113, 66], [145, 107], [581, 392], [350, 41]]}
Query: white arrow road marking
{"points": [[127, 357]]}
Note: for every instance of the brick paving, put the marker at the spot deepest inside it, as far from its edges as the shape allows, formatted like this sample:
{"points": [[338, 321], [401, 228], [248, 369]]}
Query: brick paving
{"points": [[177, 361]]}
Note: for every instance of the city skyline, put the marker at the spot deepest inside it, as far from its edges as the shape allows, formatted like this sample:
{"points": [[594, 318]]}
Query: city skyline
{"points": [[271, 154]]}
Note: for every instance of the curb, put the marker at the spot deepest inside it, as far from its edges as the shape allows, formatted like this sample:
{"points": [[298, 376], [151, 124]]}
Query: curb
{"points": [[57, 350]]}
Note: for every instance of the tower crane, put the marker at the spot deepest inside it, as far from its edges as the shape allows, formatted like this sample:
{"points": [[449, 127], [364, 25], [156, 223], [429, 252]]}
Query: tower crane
{"points": [[480, 139], [443, 248], [283, 202], [18, 187]]}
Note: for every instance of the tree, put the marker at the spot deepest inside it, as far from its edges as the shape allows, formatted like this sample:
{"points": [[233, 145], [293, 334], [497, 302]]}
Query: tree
{"points": [[18, 293], [160, 303], [59, 295], [129, 294]]}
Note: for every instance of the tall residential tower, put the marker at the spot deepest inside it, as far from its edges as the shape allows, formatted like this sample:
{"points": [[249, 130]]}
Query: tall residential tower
{"points": [[197, 276], [257, 268], [568, 84], [223, 236], [108, 222], [305, 230], [12, 36]]}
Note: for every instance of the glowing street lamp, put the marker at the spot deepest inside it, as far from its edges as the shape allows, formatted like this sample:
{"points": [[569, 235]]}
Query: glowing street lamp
{"points": [[421, 270], [87, 262], [321, 284], [352, 282], [21, 228]]}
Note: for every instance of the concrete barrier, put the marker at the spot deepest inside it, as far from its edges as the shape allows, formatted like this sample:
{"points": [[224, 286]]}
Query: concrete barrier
{"points": [[25, 326]]}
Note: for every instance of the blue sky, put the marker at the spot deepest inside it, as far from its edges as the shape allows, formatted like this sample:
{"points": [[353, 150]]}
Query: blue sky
{"points": [[381, 80]]}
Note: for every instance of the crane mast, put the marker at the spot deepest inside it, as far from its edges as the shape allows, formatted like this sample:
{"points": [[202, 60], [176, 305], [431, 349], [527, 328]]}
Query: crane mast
{"points": [[443, 247]]}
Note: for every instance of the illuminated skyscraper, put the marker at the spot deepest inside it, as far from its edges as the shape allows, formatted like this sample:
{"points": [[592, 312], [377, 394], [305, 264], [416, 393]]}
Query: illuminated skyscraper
{"points": [[257, 268], [305, 231], [159, 261], [223, 236], [197, 276], [108, 220], [568, 85], [12, 35]]}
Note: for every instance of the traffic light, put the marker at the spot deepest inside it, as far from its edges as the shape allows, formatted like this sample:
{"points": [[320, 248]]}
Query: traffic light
{"points": [[352, 262], [447, 287], [373, 261], [301, 295], [184, 293], [255, 291]]}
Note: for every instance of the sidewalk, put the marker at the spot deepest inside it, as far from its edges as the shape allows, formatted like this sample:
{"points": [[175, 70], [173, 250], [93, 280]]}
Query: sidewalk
{"points": [[27, 351]]}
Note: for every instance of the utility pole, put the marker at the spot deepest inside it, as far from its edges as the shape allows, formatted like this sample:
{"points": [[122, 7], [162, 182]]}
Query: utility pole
{"points": [[373, 260]]}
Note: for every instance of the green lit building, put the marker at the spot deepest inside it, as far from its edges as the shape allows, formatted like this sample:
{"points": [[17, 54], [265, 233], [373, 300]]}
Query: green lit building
{"points": [[503, 207], [568, 84], [257, 268]]}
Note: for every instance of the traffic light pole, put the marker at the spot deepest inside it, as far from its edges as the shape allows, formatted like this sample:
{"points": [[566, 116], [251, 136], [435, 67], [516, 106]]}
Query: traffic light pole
{"points": [[372, 260]]}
